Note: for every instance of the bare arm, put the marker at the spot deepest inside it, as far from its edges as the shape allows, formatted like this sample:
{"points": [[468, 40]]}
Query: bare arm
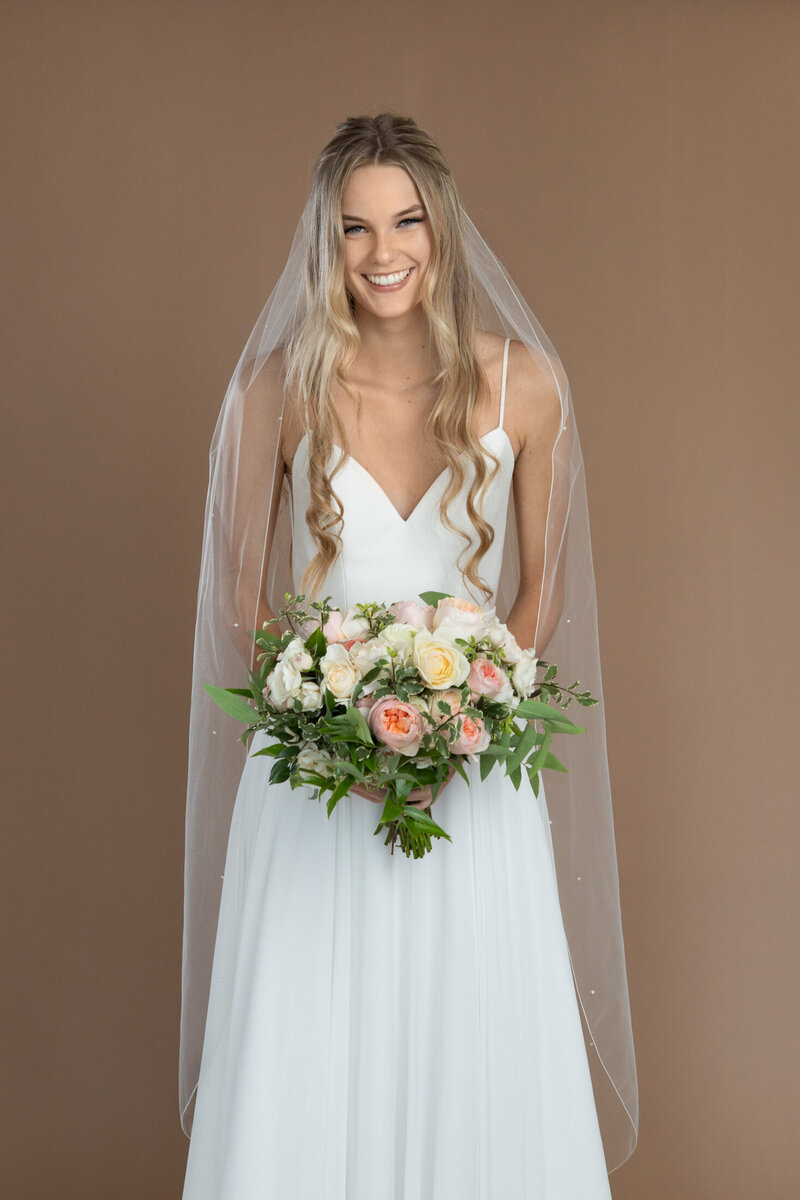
{"points": [[251, 489], [535, 416]]}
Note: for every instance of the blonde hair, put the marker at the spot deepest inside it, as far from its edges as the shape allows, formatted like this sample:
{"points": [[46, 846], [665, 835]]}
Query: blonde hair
{"points": [[326, 338]]}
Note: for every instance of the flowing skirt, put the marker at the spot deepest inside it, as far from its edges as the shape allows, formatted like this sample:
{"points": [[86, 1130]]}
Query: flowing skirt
{"points": [[384, 1028]]}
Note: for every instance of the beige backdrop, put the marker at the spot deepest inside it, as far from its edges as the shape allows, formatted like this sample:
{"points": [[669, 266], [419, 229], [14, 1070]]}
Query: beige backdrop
{"points": [[634, 164]]}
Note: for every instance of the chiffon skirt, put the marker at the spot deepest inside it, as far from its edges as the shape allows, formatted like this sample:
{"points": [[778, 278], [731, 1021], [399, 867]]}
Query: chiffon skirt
{"points": [[384, 1028]]}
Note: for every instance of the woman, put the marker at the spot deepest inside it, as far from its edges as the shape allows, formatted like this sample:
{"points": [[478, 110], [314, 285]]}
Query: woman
{"points": [[375, 1025]]}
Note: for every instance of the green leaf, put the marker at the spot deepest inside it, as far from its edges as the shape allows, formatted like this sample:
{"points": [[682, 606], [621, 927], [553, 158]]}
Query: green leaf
{"points": [[375, 671], [341, 789], [315, 643], [532, 710], [486, 761], [272, 751], [356, 718], [553, 763], [281, 770], [232, 703], [537, 761], [420, 817], [456, 762], [516, 778], [433, 597], [527, 741]]}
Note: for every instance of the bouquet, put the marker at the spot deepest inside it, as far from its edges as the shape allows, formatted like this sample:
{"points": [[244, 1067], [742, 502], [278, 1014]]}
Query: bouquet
{"points": [[396, 697]]}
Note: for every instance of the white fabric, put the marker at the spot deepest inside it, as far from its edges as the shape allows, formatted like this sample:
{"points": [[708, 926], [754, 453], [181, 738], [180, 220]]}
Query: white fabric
{"points": [[383, 1028]]}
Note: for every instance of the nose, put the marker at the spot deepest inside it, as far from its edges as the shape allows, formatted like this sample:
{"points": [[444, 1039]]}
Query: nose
{"points": [[383, 249]]}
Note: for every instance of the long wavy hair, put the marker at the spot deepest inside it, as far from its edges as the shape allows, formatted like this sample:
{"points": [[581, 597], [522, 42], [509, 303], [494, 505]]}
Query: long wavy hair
{"points": [[326, 338]]}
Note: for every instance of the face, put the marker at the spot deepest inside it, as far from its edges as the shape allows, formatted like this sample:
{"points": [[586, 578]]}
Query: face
{"points": [[387, 240]]}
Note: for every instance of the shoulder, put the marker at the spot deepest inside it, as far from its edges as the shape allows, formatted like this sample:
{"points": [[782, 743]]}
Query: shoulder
{"points": [[536, 396], [489, 349]]}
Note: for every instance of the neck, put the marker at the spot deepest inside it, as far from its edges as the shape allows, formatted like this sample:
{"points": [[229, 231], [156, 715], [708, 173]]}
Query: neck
{"points": [[397, 348]]}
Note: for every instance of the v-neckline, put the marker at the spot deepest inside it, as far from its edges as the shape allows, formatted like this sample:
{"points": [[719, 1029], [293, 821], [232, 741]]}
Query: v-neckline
{"points": [[405, 520]]}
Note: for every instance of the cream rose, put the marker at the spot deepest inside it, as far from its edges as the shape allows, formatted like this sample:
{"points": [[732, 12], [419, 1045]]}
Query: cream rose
{"points": [[440, 664], [338, 673]]}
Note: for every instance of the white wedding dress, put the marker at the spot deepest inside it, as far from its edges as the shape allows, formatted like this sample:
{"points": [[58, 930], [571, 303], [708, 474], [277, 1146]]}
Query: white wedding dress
{"points": [[385, 1028]]}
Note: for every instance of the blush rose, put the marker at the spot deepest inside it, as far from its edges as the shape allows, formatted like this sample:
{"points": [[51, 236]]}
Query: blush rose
{"points": [[472, 738], [487, 679]]}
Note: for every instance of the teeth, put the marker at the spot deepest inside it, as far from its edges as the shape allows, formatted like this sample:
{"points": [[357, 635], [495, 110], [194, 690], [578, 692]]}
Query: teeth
{"points": [[387, 279]]}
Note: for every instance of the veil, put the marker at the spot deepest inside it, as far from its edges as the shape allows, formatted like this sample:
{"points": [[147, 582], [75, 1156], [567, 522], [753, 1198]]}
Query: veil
{"points": [[246, 562]]}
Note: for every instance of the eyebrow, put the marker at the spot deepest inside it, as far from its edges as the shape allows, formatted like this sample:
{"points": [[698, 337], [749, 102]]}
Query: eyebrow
{"points": [[414, 207]]}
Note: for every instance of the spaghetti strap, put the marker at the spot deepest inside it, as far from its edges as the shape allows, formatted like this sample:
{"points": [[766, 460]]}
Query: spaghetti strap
{"points": [[503, 385]]}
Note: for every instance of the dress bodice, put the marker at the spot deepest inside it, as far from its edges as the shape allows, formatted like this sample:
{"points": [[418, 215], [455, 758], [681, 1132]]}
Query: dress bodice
{"points": [[385, 557]]}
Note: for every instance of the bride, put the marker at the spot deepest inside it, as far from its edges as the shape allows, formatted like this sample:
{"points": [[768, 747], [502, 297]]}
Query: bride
{"points": [[357, 1024]]}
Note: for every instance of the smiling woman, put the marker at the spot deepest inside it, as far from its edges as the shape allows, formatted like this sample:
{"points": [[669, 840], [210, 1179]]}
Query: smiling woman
{"points": [[359, 1025], [386, 252]]}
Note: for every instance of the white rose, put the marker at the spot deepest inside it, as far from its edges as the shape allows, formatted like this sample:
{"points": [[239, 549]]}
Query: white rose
{"points": [[500, 635], [524, 674], [353, 625], [400, 637], [364, 655], [283, 683], [338, 673], [512, 649], [313, 759], [496, 632], [296, 653], [310, 695]]}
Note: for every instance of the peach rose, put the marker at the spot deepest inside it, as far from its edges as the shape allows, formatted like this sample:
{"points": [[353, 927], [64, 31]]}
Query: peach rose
{"points": [[452, 697], [473, 737], [460, 617], [486, 679], [398, 725]]}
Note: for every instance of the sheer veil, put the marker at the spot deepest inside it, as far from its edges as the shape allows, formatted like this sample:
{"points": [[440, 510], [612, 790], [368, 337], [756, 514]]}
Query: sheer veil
{"points": [[246, 553]]}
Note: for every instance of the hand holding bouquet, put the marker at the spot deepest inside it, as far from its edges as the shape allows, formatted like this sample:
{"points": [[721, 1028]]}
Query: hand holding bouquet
{"points": [[395, 698]]}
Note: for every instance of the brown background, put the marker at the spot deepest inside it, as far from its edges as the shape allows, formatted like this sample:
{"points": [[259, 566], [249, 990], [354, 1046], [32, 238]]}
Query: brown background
{"points": [[634, 166]]}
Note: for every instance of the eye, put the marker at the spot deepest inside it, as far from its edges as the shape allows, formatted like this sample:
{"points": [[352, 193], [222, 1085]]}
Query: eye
{"points": [[352, 228], [411, 220]]}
